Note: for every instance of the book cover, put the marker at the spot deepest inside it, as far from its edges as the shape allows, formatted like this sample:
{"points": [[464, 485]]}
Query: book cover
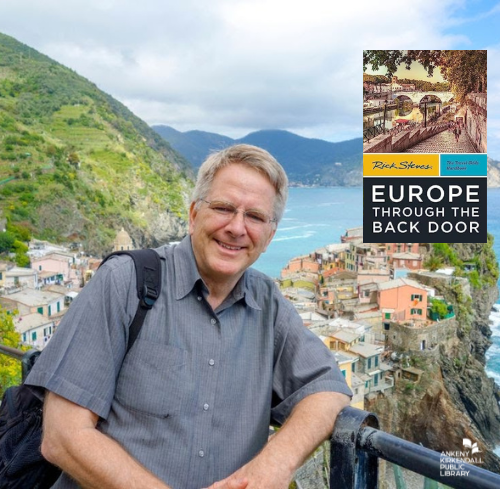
{"points": [[424, 146]]}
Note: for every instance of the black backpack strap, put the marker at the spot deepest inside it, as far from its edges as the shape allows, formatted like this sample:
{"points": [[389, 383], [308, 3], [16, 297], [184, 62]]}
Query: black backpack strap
{"points": [[148, 273]]}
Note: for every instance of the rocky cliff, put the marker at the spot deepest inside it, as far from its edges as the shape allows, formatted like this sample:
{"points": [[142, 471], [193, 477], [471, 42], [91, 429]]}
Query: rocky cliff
{"points": [[455, 399]]}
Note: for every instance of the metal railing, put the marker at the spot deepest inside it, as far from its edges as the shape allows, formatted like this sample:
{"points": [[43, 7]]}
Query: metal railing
{"points": [[27, 358], [356, 446], [372, 132]]}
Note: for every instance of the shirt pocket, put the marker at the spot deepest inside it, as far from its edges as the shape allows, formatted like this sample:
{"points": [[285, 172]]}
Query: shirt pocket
{"points": [[151, 377]]}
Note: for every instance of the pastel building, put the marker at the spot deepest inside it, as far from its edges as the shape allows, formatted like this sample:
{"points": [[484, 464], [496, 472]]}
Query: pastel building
{"points": [[29, 301], [34, 329], [56, 268], [402, 300]]}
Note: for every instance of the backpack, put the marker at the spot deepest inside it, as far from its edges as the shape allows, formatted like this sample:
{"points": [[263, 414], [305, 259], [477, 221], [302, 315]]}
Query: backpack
{"points": [[21, 462]]}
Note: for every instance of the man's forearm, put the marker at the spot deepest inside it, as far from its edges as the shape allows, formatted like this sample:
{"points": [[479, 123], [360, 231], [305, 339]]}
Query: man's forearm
{"points": [[310, 423], [94, 460]]}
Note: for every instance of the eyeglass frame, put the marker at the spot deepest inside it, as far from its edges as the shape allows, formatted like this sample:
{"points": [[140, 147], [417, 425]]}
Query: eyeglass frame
{"points": [[235, 212]]}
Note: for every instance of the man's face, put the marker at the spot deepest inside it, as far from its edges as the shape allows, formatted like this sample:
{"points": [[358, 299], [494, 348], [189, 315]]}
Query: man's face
{"points": [[225, 247]]}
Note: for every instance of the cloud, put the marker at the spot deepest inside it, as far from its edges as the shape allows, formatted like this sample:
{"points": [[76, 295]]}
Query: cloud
{"points": [[231, 66]]}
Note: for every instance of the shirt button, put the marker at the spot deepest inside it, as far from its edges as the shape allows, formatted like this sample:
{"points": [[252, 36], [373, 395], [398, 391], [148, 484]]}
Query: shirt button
{"points": [[206, 406], [199, 298], [211, 362], [213, 321], [201, 453]]}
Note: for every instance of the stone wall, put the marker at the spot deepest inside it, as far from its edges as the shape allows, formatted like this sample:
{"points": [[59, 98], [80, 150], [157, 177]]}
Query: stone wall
{"points": [[431, 279], [381, 144], [403, 140], [437, 280], [403, 338]]}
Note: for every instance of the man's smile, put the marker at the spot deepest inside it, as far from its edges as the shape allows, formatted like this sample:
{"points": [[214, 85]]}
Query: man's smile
{"points": [[228, 247]]}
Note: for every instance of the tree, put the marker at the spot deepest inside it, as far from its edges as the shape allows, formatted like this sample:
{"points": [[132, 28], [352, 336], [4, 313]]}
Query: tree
{"points": [[465, 70], [392, 59], [439, 307], [433, 263], [10, 368], [7, 239], [73, 159]]}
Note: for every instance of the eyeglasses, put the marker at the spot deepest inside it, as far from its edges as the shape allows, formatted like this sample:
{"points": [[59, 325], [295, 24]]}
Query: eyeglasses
{"points": [[226, 210]]}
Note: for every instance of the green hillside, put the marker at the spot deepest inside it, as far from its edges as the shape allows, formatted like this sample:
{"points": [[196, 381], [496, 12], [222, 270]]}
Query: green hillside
{"points": [[77, 165]]}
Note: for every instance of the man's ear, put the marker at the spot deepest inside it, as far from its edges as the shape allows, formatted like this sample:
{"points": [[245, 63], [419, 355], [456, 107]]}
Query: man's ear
{"points": [[193, 212]]}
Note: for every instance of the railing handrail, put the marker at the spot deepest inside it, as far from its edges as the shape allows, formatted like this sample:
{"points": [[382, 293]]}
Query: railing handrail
{"points": [[12, 352], [27, 358], [357, 443]]}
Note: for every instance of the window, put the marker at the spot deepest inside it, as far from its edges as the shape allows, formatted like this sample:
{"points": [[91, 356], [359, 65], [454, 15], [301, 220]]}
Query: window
{"points": [[387, 316], [416, 297], [376, 360], [33, 336], [416, 311], [344, 373], [369, 363]]}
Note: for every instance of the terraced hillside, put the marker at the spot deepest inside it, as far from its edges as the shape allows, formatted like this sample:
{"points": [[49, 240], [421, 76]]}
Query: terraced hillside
{"points": [[77, 165]]}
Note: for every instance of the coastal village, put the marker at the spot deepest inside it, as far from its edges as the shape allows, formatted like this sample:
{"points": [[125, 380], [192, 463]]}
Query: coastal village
{"points": [[38, 297], [373, 305]]}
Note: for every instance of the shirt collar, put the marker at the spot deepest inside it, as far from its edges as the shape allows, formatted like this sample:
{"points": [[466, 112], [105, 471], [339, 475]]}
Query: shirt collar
{"points": [[187, 275], [185, 268]]}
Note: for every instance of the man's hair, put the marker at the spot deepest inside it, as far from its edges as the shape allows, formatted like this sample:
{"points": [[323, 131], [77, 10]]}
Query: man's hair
{"points": [[252, 157]]}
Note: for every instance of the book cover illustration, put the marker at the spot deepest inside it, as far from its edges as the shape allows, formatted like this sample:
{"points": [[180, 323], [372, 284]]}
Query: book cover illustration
{"points": [[424, 146]]}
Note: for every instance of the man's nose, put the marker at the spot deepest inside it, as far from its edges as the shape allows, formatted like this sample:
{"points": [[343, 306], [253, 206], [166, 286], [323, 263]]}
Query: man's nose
{"points": [[236, 225]]}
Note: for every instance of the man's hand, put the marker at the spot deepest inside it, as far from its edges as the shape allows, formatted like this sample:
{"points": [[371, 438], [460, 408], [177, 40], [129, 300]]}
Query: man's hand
{"points": [[258, 473], [310, 423]]}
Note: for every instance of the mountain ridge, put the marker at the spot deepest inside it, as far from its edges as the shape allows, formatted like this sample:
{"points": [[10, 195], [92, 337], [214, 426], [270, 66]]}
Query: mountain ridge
{"points": [[307, 161]]}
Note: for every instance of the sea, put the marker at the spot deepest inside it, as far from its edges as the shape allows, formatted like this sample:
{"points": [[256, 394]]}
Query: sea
{"points": [[316, 217]]}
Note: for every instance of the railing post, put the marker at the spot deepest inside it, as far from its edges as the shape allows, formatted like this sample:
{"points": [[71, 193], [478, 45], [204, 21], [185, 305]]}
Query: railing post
{"points": [[351, 468], [28, 360]]}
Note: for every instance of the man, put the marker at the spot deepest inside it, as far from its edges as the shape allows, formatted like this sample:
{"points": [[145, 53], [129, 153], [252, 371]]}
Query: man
{"points": [[219, 356]]}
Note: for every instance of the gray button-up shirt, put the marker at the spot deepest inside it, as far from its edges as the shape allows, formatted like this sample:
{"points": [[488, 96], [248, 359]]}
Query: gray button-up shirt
{"points": [[193, 399]]}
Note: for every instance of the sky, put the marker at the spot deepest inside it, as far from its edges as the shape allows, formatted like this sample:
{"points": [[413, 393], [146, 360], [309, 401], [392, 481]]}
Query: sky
{"points": [[236, 66]]}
